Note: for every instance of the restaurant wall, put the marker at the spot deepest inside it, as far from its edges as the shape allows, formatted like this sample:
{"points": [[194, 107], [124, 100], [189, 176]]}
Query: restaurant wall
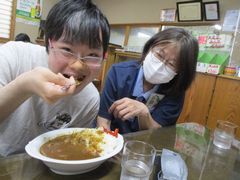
{"points": [[125, 11], [31, 30], [142, 11]]}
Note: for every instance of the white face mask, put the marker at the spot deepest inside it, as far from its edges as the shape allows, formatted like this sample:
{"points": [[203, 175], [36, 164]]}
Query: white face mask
{"points": [[173, 166], [155, 71]]}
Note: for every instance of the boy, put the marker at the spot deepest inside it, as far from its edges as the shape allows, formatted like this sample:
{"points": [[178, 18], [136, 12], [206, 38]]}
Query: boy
{"points": [[45, 89]]}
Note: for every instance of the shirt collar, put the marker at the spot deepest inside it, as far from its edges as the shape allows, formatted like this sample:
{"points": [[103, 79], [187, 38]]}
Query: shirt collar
{"points": [[138, 87]]}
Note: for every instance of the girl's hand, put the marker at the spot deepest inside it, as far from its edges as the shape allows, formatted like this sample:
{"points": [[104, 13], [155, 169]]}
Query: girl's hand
{"points": [[127, 108]]}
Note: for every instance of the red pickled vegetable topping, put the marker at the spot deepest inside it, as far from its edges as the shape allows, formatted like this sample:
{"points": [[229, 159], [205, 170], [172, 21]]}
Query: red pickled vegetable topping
{"points": [[113, 133]]}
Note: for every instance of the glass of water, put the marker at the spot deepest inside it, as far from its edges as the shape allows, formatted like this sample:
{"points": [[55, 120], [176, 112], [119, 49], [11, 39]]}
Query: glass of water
{"points": [[137, 160], [224, 134]]}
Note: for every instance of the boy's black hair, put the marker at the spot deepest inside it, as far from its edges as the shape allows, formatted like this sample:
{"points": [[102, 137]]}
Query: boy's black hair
{"points": [[22, 37], [186, 60], [77, 21]]}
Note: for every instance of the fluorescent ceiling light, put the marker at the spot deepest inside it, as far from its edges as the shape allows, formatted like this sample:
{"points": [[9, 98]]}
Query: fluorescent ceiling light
{"points": [[217, 27], [143, 35]]}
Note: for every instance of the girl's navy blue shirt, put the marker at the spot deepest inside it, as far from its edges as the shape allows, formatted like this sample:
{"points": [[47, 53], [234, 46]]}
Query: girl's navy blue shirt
{"points": [[120, 83]]}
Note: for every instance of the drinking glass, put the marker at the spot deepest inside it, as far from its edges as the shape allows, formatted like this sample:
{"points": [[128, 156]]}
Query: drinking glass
{"points": [[224, 134], [137, 160]]}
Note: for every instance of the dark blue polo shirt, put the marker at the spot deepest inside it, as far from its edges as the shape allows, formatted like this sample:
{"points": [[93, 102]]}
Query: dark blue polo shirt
{"points": [[120, 83]]}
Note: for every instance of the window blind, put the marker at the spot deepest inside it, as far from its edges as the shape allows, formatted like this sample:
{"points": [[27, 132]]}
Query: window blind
{"points": [[5, 18]]}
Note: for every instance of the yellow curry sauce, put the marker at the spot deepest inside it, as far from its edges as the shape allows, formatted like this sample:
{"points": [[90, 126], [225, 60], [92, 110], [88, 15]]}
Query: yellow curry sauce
{"points": [[76, 146]]}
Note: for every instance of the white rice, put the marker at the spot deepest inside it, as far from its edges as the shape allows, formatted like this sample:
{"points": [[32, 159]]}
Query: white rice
{"points": [[108, 145]]}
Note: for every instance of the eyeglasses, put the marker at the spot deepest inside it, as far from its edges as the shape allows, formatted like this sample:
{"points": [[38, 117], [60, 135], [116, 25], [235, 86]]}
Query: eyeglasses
{"points": [[71, 57], [158, 53]]}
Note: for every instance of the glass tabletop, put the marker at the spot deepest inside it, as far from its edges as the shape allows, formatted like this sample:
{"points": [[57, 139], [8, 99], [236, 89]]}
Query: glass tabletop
{"points": [[203, 159]]}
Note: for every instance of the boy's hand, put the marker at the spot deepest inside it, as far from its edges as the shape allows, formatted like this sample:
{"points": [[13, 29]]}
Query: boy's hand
{"points": [[46, 84]]}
